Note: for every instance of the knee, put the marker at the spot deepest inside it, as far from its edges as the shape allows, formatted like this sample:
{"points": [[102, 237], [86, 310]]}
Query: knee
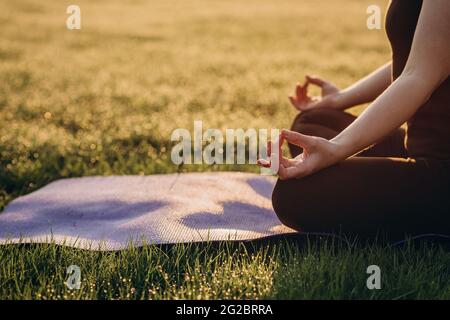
{"points": [[299, 204], [278, 202], [300, 120], [313, 122], [316, 116], [284, 206]]}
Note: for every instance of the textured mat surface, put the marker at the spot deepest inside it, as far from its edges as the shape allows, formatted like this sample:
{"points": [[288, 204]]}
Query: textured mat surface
{"points": [[111, 212]]}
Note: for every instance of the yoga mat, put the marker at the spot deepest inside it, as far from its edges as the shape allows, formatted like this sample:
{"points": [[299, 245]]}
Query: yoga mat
{"points": [[110, 213]]}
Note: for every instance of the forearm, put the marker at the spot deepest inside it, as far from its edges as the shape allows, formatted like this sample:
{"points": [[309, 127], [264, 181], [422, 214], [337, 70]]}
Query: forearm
{"points": [[388, 112], [428, 66], [366, 89]]}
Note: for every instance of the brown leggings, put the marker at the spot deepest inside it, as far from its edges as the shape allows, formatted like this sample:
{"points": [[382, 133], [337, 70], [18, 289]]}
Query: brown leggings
{"points": [[380, 192]]}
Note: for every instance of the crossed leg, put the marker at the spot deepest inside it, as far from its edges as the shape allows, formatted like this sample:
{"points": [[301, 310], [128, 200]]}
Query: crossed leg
{"points": [[378, 191], [328, 123]]}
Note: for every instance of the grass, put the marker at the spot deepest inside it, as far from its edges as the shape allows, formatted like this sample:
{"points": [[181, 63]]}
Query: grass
{"points": [[226, 271], [104, 100]]}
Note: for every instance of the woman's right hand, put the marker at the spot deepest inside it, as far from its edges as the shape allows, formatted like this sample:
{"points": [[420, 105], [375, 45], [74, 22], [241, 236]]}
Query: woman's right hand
{"points": [[318, 153], [329, 98]]}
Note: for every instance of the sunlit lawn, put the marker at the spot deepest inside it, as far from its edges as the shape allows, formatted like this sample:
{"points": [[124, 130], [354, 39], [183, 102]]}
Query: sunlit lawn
{"points": [[104, 100]]}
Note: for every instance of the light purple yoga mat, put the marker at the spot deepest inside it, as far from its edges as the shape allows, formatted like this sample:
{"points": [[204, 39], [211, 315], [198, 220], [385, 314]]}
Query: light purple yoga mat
{"points": [[110, 213]]}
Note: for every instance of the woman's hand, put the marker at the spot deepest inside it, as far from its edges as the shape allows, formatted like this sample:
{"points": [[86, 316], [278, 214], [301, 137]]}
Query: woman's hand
{"points": [[318, 153], [330, 95]]}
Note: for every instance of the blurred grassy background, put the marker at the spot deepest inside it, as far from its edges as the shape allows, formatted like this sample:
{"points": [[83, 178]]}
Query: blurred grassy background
{"points": [[104, 99]]}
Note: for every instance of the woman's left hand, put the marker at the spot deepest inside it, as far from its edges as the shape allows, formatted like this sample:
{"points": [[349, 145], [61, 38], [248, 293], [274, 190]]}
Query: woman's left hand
{"points": [[318, 153]]}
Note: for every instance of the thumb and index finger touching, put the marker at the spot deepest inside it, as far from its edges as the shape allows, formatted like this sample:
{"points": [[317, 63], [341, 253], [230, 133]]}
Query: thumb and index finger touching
{"points": [[296, 138]]}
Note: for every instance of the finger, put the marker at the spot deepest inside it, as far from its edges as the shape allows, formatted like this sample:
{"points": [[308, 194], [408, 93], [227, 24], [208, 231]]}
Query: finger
{"points": [[315, 80], [318, 104], [282, 172], [301, 91], [286, 162], [267, 163], [275, 146], [297, 139], [298, 91], [280, 142], [263, 163], [299, 105], [297, 171], [294, 102]]}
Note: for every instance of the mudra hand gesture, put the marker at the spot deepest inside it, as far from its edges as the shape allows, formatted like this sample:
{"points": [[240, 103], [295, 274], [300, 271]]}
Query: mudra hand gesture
{"points": [[318, 153]]}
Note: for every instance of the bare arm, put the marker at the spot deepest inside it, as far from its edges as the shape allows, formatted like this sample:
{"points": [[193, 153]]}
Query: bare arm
{"points": [[367, 89], [427, 67]]}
